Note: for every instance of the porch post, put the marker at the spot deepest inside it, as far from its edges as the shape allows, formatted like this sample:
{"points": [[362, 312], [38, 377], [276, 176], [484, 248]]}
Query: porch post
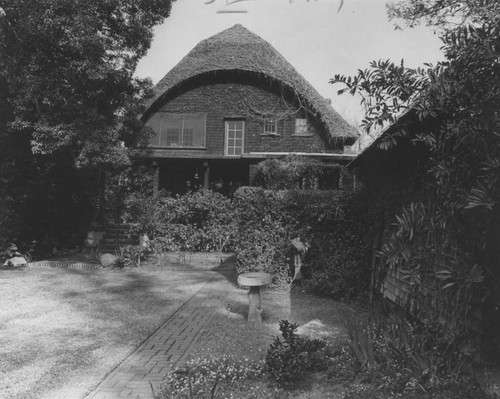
{"points": [[206, 174], [156, 178]]}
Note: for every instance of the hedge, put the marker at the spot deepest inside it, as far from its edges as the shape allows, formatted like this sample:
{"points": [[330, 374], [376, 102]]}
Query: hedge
{"points": [[258, 226], [197, 221], [332, 222]]}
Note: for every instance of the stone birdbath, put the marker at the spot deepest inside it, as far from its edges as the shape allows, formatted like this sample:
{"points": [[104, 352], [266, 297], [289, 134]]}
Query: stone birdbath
{"points": [[254, 281]]}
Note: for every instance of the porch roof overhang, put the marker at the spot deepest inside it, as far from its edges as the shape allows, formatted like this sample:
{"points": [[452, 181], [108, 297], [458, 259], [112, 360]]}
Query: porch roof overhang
{"points": [[201, 153], [317, 155]]}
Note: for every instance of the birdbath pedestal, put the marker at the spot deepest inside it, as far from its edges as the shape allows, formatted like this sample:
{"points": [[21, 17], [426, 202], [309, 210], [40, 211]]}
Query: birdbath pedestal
{"points": [[254, 281]]}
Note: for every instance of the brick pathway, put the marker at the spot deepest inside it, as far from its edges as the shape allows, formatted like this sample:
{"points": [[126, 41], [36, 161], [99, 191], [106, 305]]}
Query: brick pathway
{"points": [[166, 347]]}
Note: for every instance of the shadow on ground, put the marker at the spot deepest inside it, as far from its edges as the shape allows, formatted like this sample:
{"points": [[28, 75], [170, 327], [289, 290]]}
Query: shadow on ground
{"points": [[66, 328]]}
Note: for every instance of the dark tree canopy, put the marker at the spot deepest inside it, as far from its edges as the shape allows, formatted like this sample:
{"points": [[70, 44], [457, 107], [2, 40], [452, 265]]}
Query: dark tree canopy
{"points": [[443, 14], [68, 66], [69, 104]]}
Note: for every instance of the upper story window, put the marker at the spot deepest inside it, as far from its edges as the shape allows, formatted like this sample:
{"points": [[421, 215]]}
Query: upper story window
{"points": [[235, 137], [301, 127], [178, 130], [270, 126]]}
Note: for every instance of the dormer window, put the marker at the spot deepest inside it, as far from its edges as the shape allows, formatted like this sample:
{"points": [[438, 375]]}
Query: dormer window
{"points": [[270, 126], [301, 127]]}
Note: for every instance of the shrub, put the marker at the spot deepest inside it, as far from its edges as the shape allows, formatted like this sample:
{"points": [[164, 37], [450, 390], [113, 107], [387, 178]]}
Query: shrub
{"points": [[131, 256], [11, 250], [259, 225], [142, 211], [298, 173], [263, 232], [124, 184], [289, 358], [395, 356], [8, 222], [268, 220], [338, 261], [197, 221]]}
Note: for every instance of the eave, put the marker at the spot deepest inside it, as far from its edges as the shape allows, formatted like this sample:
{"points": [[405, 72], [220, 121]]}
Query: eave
{"points": [[160, 153]]}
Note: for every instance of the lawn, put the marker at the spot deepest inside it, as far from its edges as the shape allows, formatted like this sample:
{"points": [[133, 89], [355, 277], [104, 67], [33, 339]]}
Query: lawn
{"points": [[62, 330]]}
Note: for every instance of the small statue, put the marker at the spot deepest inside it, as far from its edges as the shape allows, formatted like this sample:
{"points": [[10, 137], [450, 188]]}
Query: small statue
{"points": [[299, 251]]}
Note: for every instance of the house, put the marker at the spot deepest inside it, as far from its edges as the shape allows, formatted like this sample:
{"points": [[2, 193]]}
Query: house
{"points": [[231, 102]]}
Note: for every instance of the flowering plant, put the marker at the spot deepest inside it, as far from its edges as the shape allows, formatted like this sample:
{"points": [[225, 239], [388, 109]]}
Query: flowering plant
{"points": [[202, 377]]}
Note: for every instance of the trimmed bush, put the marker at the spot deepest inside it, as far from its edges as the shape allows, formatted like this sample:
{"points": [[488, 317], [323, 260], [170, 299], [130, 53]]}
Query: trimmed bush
{"points": [[197, 221], [332, 224], [263, 232]]}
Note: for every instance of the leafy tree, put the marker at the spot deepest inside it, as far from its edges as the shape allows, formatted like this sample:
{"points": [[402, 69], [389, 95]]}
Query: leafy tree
{"points": [[68, 102], [451, 240], [443, 14], [386, 90]]}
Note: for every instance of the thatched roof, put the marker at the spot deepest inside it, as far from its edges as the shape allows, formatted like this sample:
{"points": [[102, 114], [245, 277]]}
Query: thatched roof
{"points": [[238, 49]]}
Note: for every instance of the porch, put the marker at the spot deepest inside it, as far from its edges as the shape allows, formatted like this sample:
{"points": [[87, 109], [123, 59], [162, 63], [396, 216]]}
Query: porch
{"points": [[220, 175]]}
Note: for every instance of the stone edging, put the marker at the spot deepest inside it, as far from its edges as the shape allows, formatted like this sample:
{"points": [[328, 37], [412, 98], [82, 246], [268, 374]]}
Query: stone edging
{"points": [[64, 265]]}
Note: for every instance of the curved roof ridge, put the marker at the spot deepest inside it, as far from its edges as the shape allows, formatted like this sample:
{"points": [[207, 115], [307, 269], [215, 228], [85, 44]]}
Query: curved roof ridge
{"points": [[237, 48]]}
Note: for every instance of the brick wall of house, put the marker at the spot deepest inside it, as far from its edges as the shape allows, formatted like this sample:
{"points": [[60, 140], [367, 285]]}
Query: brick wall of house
{"points": [[220, 101]]}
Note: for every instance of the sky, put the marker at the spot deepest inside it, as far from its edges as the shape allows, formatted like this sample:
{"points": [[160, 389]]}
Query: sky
{"points": [[317, 38]]}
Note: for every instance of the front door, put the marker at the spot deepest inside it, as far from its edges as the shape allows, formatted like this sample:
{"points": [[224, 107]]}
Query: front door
{"points": [[235, 135]]}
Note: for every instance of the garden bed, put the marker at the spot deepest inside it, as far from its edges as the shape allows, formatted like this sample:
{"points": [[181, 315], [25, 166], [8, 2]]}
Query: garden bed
{"points": [[235, 354], [231, 339]]}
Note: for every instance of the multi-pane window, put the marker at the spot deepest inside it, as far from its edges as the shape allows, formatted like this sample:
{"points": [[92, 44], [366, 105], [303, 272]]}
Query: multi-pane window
{"points": [[270, 126], [235, 134], [178, 130], [171, 136], [301, 127]]}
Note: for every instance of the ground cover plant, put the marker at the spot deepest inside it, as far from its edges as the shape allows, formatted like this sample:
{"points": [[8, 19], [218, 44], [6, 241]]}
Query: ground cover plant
{"points": [[206, 377], [64, 329]]}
